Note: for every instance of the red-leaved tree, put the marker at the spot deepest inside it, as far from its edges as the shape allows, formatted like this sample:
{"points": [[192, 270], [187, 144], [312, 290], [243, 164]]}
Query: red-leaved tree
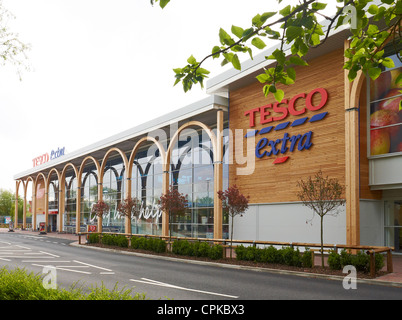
{"points": [[234, 203], [174, 203], [99, 209], [129, 207]]}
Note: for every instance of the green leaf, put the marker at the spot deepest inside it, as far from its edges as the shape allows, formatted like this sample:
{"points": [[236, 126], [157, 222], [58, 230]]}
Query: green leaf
{"points": [[388, 63], [266, 15], [257, 42], [237, 31], [297, 61], [163, 3], [318, 6], [285, 11], [398, 7], [262, 78], [374, 73], [214, 52], [279, 94], [373, 9], [292, 32], [224, 37], [236, 62], [191, 60], [291, 73]]}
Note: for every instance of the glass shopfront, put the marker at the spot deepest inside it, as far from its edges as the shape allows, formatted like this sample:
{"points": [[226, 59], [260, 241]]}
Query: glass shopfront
{"points": [[393, 224], [70, 203], [113, 192], [146, 186]]}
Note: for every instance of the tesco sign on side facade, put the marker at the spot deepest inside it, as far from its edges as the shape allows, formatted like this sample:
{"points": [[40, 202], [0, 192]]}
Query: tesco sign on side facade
{"points": [[289, 143], [54, 154]]}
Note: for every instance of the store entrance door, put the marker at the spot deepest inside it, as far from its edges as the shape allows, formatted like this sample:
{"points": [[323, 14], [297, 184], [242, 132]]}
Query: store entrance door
{"points": [[393, 224], [53, 222]]}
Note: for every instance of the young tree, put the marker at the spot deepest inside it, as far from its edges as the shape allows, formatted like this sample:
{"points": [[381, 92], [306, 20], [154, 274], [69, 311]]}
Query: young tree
{"points": [[301, 27], [99, 209], [174, 203], [323, 196], [129, 207], [234, 203]]}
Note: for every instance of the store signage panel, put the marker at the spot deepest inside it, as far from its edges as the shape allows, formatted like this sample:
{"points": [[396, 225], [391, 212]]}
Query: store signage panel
{"points": [[54, 154], [288, 143]]}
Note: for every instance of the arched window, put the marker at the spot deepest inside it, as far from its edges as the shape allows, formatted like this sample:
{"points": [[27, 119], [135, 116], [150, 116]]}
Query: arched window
{"points": [[113, 192], [146, 185], [70, 202], [89, 196]]}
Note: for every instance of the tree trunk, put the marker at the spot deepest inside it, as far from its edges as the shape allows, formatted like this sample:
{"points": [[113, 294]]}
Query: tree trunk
{"points": [[322, 241], [231, 239]]}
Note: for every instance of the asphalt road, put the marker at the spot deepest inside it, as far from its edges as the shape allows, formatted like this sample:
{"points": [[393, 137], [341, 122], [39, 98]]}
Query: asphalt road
{"points": [[161, 279]]}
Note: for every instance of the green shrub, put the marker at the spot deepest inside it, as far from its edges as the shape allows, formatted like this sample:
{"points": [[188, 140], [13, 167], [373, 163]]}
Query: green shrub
{"points": [[107, 239], [346, 258], [379, 262], [151, 244], [240, 252], [361, 261], [215, 252], [291, 257], [17, 284], [306, 260], [93, 238], [334, 260], [270, 255]]}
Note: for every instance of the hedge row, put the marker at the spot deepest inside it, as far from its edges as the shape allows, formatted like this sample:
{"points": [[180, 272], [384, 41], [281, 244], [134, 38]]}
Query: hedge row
{"points": [[17, 284], [287, 255], [197, 249], [143, 243], [361, 261]]}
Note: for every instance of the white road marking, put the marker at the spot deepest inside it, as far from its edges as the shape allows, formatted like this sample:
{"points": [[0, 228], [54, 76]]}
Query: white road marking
{"points": [[157, 283], [60, 268], [91, 265]]}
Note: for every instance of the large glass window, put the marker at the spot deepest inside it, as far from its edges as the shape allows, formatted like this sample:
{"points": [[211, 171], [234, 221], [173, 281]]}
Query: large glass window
{"points": [[89, 196], [146, 186], [393, 224], [113, 193], [192, 173], [53, 203], [386, 112], [70, 207]]}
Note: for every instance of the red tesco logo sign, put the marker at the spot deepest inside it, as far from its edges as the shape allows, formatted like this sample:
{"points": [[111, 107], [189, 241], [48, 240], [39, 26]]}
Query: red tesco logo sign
{"points": [[285, 107]]}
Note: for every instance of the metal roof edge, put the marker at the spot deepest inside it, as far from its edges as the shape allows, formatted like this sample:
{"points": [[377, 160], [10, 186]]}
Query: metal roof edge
{"points": [[209, 103]]}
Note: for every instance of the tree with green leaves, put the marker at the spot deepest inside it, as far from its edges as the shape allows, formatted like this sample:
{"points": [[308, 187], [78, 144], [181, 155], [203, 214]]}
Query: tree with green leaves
{"points": [[299, 28]]}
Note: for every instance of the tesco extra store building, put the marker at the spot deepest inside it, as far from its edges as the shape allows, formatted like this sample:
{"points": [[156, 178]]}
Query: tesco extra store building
{"points": [[351, 131]]}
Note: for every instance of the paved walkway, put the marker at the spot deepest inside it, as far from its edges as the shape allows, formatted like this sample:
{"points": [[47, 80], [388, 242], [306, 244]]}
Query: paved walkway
{"points": [[394, 278]]}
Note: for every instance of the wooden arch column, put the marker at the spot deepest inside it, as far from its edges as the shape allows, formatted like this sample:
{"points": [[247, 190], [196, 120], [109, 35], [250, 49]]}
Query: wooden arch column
{"points": [[352, 177]]}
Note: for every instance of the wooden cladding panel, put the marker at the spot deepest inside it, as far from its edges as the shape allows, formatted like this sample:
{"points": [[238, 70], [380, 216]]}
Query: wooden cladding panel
{"points": [[278, 182]]}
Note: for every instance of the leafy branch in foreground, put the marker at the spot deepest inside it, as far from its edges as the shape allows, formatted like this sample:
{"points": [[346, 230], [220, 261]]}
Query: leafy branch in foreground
{"points": [[12, 49], [297, 30]]}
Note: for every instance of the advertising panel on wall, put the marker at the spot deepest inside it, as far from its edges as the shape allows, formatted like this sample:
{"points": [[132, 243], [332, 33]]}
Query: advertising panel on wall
{"points": [[386, 113]]}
